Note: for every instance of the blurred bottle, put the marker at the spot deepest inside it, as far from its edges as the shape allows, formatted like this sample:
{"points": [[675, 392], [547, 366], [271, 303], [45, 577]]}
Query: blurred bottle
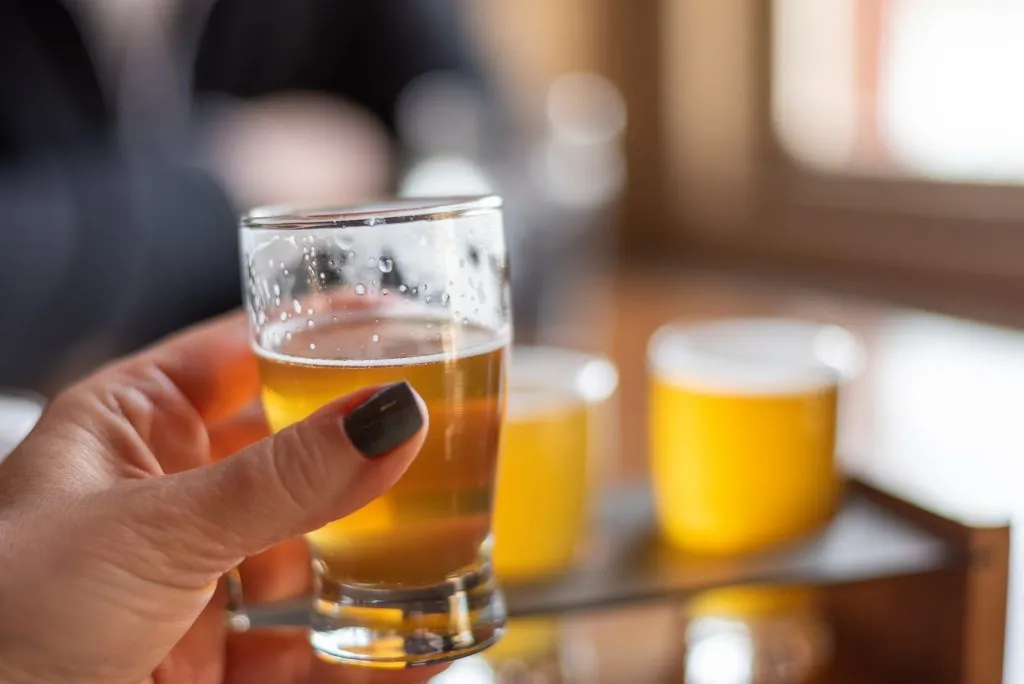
{"points": [[755, 635]]}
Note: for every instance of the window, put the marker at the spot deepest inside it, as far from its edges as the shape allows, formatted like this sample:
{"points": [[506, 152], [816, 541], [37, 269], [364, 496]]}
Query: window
{"points": [[914, 88]]}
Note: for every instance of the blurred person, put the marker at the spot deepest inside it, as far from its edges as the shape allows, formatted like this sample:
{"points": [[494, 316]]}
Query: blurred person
{"points": [[132, 131], [119, 513]]}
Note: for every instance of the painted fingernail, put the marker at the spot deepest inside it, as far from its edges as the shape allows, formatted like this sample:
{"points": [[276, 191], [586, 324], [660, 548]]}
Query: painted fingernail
{"points": [[385, 421]]}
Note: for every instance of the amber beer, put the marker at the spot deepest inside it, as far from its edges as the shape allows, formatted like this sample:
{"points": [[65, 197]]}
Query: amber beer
{"points": [[433, 522]]}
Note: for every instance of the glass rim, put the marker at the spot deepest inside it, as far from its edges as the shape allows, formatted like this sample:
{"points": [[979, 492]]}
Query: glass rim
{"points": [[374, 213], [590, 376], [822, 354]]}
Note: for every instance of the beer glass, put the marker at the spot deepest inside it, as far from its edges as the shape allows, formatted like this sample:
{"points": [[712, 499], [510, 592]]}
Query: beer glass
{"points": [[413, 290], [743, 430], [560, 424]]}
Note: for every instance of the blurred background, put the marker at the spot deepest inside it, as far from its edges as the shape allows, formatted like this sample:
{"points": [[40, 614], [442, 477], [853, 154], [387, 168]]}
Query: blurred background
{"points": [[658, 158]]}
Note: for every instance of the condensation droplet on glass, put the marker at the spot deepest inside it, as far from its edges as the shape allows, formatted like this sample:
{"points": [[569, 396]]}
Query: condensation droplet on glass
{"points": [[375, 337], [297, 305], [428, 299], [371, 261], [310, 323], [288, 335], [312, 346], [465, 321], [423, 287], [403, 289], [277, 290], [261, 318], [309, 311], [360, 289], [277, 301], [462, 263], [384, 291], [284, 316], [386, 264], [351, 254], [445, 298], [270, 263], [373, 281], [323, 276]]}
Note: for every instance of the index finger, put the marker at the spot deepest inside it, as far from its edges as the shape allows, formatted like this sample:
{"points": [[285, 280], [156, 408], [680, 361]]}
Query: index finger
{"points": [[212, 364]]}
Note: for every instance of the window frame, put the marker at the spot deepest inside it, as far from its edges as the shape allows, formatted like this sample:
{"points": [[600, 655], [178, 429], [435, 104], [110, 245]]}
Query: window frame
{"points": [[796, 213]]}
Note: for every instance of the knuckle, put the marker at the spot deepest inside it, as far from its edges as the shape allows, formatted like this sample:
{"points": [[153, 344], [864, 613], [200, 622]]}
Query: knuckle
{"points": [[299, 462]]}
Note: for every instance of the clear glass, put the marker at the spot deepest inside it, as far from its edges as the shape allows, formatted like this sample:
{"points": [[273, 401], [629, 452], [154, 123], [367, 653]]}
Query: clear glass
{"points": [[559, 424], [743, 429], [413, 290]]}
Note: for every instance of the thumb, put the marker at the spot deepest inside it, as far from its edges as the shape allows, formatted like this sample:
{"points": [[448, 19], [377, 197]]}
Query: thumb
{"points": [[315, 471]]}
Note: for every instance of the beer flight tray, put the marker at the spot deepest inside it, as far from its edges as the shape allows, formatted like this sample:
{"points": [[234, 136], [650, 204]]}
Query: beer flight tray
{"points": [[624, 561]]}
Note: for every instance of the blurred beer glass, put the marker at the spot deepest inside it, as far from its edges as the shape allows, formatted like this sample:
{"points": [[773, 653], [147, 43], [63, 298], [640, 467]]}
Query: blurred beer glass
{"points": [[558, 428], [743, 428], [412, 290]]}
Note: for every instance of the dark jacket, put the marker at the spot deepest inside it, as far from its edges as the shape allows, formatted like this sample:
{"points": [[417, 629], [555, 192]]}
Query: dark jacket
{"points": [[131, 242]]}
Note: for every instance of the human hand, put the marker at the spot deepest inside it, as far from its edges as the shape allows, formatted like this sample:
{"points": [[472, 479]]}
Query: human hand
{"points": [[117, 518]]}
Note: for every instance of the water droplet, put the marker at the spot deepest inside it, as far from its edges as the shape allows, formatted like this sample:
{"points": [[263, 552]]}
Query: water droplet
{"points": [[445, 298], [277, 290], [323, 276], [277, 301], [284, 316], [288, 335], [360, 289], [371, 261], [465, 321], [403, 289], [373, 281], [372, 221], [386, 264], [423, 287], [297, 305], [351, 254], [462, 263], [428, 299], [309, 311], [375, 337], [310, 323], [270, 263], [384, 291], [261, 318], [312, 346]]}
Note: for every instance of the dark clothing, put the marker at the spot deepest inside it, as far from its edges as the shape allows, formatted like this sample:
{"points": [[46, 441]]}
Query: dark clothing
{"points": [[136, 240]]}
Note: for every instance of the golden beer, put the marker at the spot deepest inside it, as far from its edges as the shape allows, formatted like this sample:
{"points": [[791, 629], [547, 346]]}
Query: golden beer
{"points": [[432, 523], [555, 435], [743, 430], [542, 485]]}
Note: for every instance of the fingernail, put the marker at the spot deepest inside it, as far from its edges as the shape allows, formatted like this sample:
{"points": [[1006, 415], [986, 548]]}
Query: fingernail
{"points": [[385, 421]]}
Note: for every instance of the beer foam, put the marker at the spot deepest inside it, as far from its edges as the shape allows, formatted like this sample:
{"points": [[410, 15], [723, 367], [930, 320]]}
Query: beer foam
{"points": [[753, 355], [547, 379], [452, 342]]}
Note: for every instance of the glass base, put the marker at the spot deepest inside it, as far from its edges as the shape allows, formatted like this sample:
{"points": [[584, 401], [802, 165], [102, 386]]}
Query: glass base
{"points": [[398, 628]]}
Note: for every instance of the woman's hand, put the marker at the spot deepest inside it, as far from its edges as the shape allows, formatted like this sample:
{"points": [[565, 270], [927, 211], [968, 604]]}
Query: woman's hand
{"points": [[118, 517]]}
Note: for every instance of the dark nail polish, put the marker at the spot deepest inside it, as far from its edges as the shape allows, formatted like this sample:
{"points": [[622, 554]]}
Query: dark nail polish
{"points": [[385, 421]]}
